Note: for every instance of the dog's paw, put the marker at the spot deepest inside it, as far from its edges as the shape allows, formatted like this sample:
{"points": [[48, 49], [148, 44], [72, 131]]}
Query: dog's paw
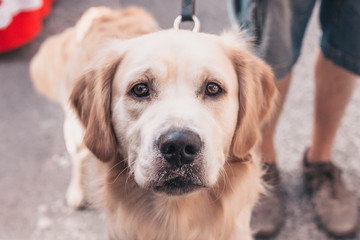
{"points": [[75, 197]]}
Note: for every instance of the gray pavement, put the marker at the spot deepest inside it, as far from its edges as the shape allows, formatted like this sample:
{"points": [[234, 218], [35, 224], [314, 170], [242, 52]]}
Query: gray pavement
{"points": [[35, 168]]}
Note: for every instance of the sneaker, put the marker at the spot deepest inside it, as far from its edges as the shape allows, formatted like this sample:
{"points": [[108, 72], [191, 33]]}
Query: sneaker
{"points": [[334, 205], [268, 215]]}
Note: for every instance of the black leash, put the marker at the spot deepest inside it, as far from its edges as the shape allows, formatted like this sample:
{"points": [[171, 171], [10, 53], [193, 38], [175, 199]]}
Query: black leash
{"points": [[187, 15], [187, 10]]}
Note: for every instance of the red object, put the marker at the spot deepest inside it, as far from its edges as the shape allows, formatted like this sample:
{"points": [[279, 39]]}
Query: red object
{"points": [[23, 27]]}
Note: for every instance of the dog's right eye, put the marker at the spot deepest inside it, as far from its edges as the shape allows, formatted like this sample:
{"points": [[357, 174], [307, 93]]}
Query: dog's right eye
{"points": [[140, 90], [213, 89]]}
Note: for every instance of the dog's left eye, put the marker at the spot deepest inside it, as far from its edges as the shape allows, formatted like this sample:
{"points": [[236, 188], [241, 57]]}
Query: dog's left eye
{"points": [[212, 89], [140, 90]]}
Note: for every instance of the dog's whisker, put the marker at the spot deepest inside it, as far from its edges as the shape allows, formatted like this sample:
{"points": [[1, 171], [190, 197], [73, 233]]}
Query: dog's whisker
{"points": [[245, 160], [224, 176], [231, 169], [127, 180], [113, 167], [118, 175], [228, 180], [220, 194]]}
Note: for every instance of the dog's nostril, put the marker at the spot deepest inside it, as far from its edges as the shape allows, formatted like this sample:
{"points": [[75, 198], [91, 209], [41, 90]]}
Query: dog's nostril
{"points": [[168, 149], [191, 149], [179, 147]]}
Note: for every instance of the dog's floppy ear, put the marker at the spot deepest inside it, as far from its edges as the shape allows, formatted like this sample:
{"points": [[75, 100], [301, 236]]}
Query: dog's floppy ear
{"points": [[91, 99], [257, 94]]}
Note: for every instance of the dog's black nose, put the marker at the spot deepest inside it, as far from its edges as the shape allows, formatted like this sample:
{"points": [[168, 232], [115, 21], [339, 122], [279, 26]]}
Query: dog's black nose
{"points": [[179, 147]]}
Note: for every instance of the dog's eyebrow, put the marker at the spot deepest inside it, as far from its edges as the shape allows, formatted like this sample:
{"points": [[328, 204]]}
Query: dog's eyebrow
{"points": [[212, 73], [148, 74], [140, 72], [143, 72]]}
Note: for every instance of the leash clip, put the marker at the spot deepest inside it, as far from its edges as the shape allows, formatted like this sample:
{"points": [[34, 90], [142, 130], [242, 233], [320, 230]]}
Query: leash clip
{"points": [[187, 15]]}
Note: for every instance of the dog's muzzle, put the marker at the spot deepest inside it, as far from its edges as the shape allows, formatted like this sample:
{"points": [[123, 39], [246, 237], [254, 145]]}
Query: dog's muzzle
{"points": [[181, 169]]}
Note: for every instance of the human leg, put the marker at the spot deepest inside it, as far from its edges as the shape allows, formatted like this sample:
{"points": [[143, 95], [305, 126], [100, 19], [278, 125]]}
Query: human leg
{"points": [[267, 216], [278, 27], [335, 206], [333, 89], [267, 146], [336, 68]]}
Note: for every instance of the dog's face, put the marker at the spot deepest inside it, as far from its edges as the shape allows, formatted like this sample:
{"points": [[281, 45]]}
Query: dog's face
{"points": [[176, 105], [175, 110]]}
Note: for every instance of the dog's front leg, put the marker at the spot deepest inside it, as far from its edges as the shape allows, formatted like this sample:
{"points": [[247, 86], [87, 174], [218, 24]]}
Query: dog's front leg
{"points": [[73, 133]]}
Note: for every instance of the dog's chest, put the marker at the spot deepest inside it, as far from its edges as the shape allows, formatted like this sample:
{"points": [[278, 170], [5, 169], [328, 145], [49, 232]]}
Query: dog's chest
{"points": [[150, 218]]}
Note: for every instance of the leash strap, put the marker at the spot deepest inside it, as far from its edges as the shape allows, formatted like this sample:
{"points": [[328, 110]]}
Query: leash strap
{"points": [[187, 15], [187, 10]]}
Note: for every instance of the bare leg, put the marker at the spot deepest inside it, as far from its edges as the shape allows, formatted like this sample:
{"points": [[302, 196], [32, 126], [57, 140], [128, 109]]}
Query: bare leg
{"points": [[335, 206], [267, 146], [268, 216], [333, 89]]}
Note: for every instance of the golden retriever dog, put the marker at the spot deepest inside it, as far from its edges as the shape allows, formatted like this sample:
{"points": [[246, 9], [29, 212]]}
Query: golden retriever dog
{"points": [[173, 118]]}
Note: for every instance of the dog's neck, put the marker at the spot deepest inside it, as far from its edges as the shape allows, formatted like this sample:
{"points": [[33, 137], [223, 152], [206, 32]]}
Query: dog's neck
{"points": [[185, 214]]}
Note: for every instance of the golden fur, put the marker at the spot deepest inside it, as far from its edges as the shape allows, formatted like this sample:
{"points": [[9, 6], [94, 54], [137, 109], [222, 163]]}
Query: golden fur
{"points": [[95, 66]]}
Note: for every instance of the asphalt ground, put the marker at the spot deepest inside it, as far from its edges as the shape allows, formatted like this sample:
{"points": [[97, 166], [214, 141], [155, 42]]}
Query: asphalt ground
{"points": [[35, 167]]}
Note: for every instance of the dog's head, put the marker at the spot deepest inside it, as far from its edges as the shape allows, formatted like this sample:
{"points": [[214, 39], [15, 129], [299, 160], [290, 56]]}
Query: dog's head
{"points": [[176, 106]]}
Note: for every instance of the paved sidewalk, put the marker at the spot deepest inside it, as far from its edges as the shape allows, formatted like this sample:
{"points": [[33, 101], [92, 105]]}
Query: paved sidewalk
{"points": [[35, 168]]}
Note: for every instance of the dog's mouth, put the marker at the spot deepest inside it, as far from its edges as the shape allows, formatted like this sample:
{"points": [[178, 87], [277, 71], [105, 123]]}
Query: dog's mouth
{"points": [[177, 186], [178, 181]]}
